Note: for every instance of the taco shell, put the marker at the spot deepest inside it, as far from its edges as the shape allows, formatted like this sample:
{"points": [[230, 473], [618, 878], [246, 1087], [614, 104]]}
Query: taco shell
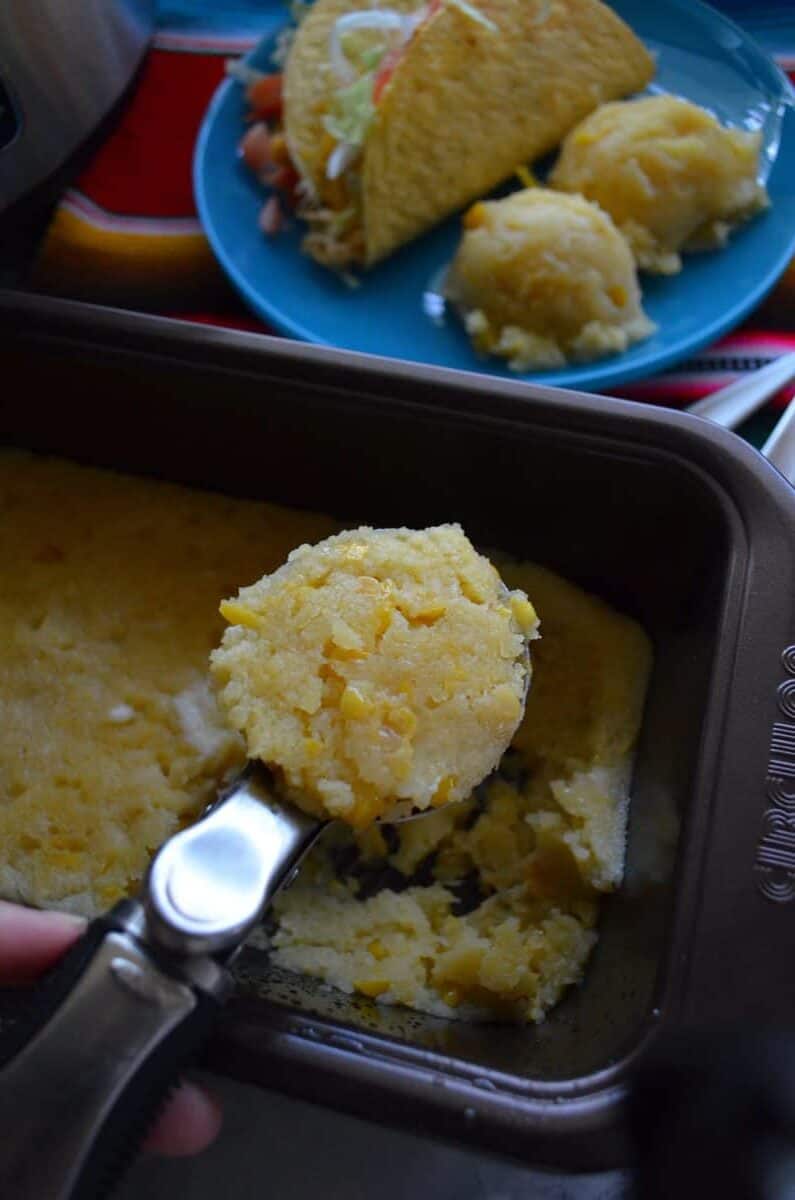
{"points": [[464, 106]]}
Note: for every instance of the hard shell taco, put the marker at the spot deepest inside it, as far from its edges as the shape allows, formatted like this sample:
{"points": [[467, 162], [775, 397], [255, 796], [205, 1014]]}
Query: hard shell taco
{"points": [[397, 116]]}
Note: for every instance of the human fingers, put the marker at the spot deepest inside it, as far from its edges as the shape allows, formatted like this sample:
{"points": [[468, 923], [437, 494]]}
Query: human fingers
{"points": [[190, 1121], [31, 941]]}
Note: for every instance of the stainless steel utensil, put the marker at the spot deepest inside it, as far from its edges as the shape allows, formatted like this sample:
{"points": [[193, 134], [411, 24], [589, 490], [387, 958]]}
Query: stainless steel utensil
{"points": [[734, 404], [779, 449], [133, 1000], [137, 994]]}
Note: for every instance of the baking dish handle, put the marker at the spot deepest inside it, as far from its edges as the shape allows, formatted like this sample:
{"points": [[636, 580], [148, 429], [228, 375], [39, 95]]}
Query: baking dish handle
{"points": [[735, 953], [87, 1071]]}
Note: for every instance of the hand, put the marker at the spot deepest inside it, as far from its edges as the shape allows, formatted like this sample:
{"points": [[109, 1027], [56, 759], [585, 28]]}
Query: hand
{"points": [[30, 943]]}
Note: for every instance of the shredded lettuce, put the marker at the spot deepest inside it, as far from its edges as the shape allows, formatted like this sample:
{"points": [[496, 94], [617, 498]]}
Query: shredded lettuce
{"points": [[342, 221], [356, 38], [370, 59], [366, 58], [352, 111], [470, 11]]}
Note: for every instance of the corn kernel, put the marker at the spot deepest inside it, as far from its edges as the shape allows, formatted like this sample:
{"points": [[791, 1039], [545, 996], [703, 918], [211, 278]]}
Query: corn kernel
{"points": [[402, 720], [475, 216], [65, 859], [442, 793], [523, 613], [526, 176], [378, 950], [237, 614], [353, 705], [344, 653], [313, 746], [343, 636], [371, 987], [384, 618], [355, 551], [471, 591], [368, 585], [427, 614]]}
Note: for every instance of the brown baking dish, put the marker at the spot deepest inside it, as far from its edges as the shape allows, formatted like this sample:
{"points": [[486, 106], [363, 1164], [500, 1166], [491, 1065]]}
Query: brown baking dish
{"points": [[676, 522]]}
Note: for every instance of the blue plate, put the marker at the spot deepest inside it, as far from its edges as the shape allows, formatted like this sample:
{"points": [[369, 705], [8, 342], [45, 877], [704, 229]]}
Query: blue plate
{"points": [[701, 55]]}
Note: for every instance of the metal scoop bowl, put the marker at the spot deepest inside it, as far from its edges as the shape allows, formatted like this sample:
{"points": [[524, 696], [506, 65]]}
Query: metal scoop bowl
{"points": [[211, 883]]}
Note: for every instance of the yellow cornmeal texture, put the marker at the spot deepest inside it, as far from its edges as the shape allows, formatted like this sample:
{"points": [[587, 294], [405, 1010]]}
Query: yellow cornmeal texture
{"points": [[110, 737], [670, 175], [377, 671], [543, 840], [542, 279]]}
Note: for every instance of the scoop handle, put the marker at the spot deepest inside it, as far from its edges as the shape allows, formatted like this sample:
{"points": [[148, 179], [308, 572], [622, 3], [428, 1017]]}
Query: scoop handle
{"points": [[86, 1072], [132, 1001], [734, 404], [713, 1114]]}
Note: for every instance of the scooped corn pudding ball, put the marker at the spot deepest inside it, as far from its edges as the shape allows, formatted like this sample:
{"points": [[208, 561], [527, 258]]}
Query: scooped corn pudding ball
{"points": [[378, 671], [542, 278], [671, 176]]}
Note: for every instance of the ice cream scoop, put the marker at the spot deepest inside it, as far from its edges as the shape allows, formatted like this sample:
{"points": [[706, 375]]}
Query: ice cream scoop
{"points": [[136, 996]]}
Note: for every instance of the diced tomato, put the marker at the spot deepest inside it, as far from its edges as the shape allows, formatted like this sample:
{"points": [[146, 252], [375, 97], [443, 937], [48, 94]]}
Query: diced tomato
{"points": [[266, 154], [385, 72], [265, 96], [391, 60], [286, 180], [255, 147], [271, 218]]}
